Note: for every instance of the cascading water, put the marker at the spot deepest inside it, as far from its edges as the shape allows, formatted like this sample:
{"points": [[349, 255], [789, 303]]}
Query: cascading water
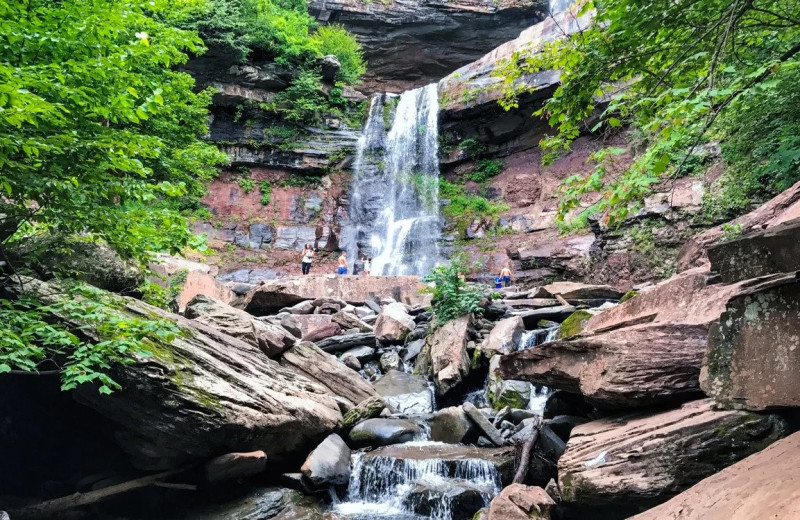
{"points": [[390, 488], [394, 206], [533, 338]]}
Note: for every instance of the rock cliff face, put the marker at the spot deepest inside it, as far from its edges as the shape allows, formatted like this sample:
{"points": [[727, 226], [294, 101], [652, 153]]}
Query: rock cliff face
{"points": [[410, 43]]}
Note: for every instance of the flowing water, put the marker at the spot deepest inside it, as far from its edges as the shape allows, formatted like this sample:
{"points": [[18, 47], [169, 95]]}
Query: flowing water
{"points": [[394, 207], [534, 338]]}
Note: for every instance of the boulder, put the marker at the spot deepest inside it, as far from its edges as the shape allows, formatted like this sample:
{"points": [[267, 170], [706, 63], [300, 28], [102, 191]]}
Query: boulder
{"points": [[453, 426], [303, 307], [382, 432], [566, 403], [582, 291], [483, 424], [406, 393], [520, 502], [505, 337], [346, 341], [329, 463], [628, 463], [562, 425], [350, 321], [323, 332], [276, 294], [754, 351], [290, 323], [532, 318], [772, 250], [763, 485], [447, 348], [366, 409], [393, 324], [196, 283], [412, 349], [327, 371], [363, 354], [235, 465], [256, 504], [453, 499], [515, 394], [309, 322], [271, 339], [351, 361], [202, 393], [390, 361]]}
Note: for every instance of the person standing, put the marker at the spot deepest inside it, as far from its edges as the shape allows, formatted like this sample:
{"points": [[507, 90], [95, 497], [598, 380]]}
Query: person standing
{"points": [[358, 265], [368, 265], [505, 275], [342, 269], [305, 263]]}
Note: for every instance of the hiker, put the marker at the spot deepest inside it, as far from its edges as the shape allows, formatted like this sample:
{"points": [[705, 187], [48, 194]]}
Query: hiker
{"points": [[368, 265], [305, 263], [505, 275], [358, 265], [342, 269]]}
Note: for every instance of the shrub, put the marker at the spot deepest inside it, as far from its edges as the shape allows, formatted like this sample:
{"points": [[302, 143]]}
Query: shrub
{"points": [[247, 185], [334, 39], [266, 190], [452, 296], [485, 170]]}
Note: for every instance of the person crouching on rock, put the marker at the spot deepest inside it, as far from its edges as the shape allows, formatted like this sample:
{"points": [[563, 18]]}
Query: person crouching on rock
{"points": [[342, 264], [305, 263], [505, 275]]}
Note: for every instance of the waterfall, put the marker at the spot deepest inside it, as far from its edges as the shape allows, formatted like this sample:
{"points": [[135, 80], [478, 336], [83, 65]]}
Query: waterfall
{"points": [[559, 6], [388, 487], [394, 202], [534, 338]]}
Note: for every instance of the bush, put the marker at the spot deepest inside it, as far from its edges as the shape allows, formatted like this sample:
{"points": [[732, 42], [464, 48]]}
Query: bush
{"points": [[247, 185], [334, 39], [485, 170], [452, 296], [266, 190]]}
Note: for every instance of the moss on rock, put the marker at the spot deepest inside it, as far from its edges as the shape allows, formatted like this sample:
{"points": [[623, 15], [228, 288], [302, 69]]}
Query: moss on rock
{"points": [[573, 324]]}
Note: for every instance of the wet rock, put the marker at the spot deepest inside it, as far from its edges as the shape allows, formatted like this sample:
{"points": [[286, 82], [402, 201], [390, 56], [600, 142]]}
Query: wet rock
{"points": [[459, 499], [266, 406], [505, 337], [323, 332], [346, 341], [631, 462], [763, 485], [329, 463], [382, 432], [235, 465], [312, 363], [453, 426], [515, 394], [566, 403], [366, 409], [393, 324], [390, 361], [363, 354], [351, 361], [256, 504], [520, 502], [412, 349], [271, 339], [532, 318], [407, 393], [276, 294], [754, 351], [447, 352], [483, 424]]}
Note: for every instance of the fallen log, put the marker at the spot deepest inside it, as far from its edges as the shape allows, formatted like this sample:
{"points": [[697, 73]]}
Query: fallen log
{"points": [[525, 458]]}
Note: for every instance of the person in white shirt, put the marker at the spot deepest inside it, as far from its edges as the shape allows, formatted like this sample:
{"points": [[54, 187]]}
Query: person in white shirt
{"points": [[305, 263]]}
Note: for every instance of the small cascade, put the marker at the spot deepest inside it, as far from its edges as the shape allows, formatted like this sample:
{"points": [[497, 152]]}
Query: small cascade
{"points": [[388, 487], [394, 207], [534, 338]]}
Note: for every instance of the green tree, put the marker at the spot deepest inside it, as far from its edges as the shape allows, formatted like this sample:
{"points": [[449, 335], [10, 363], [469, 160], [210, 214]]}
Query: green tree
{"points": [[453, 297], [673, 69]]}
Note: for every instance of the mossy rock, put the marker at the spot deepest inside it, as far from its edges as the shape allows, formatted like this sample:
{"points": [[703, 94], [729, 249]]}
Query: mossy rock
{"points": [[367, 409], [574, 324], [628, 295]]}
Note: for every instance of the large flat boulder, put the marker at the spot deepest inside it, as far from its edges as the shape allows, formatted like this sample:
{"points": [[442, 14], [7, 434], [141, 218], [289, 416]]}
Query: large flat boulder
{"points": [[203, 393], [448, 354], [504, 337], [635, 366], [521, 502], [753, 359], [406, 393], [582, 291], [200, 283], [393, 323], [761, 486], [628, 463], [329, 463], [274, 295], [383, 432], [312, 363], [271, 339]]}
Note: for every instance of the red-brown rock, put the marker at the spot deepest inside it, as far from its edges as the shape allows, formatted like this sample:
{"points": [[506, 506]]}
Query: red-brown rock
{"points": [[520, 502], [762, 486], [324, 331], [448, 354]]}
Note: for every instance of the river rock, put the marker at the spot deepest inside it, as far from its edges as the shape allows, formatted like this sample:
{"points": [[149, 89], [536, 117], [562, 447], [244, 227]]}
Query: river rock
{"points": [[582, 291], [407, 393], [520, 502], [270, 338], [761, 486], [363, 354], [323, 332], [239, 399], [445, 354], [754, 351], [382, 432], [346, 341], [505, 337], [350, 321], [366, 409], [351, 361], [456, 499], [532, 317], [451, 425], [390, 361], [483, 424], [393, 324], [256, 504], [329, 463], [235, 465], [312, 363], [276, 294], [635, 461], [515, 394], [289, 322], [303, 307], [412, 349]]}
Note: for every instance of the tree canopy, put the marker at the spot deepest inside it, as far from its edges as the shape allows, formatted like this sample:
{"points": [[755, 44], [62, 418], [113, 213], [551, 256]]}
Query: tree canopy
{"points": [[682, 73]]}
